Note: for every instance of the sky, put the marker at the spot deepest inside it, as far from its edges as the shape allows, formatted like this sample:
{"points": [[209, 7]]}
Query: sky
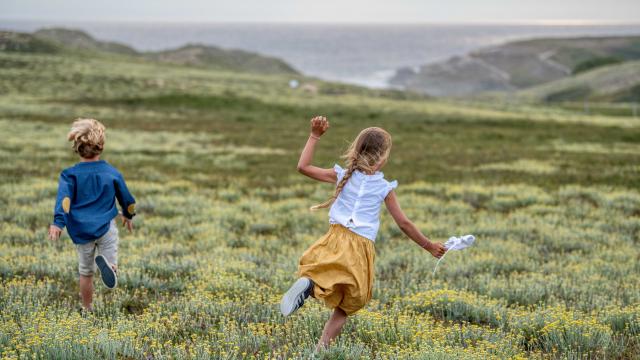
{"points": [[329, 11]]}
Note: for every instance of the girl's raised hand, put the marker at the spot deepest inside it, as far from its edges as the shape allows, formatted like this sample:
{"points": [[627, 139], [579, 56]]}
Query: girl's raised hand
{"points": [[319, 125]]}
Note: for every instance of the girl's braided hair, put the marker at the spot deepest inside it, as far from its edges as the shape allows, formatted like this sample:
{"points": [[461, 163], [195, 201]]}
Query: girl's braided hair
{"points": [[370, 149]]}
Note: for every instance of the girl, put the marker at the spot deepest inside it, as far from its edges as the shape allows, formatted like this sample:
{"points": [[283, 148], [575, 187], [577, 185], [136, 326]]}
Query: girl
{"points": [[338, 268]]}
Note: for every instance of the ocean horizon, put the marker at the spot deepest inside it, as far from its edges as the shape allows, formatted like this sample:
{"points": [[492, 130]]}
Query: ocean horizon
{"points": [[362, 54]]}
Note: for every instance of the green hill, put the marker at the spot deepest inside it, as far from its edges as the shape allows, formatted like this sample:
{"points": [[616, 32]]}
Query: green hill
{"points": [[54, 40], [620, 82], [79, 40], [518, 65], [25, 43], [215, 57]]}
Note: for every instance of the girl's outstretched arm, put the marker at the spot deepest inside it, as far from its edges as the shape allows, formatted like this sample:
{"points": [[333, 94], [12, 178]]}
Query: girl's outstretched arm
{"points": [[319, 126], [409, 228]]}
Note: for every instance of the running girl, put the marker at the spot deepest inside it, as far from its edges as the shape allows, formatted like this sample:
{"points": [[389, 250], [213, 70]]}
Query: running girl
{"points": [[339, 267]]}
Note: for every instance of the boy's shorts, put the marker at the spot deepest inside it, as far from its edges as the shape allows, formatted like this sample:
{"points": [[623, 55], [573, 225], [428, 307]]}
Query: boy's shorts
{"points": [[107, 246]]}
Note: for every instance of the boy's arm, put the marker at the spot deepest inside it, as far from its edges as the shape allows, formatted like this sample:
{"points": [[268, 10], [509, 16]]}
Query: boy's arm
{"points": [[125, 199], [63, 200], [63, 205], [409, 228], [319, 125]]}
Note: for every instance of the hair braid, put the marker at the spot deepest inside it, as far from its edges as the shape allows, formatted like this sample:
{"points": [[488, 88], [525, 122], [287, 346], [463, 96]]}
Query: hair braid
{"points": [[366, 153], [345, 178]]}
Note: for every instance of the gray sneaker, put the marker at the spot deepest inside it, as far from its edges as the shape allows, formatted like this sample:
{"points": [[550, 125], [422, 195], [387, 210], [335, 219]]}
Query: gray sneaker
{"points": [[294, 298], [109, 277]]}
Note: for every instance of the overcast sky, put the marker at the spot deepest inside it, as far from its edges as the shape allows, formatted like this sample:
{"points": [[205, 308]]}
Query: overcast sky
{"points": [[391, 11]]}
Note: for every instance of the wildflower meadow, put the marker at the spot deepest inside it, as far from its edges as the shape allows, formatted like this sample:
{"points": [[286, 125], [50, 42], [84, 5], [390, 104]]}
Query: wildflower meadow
{"points": [[551, 195]]}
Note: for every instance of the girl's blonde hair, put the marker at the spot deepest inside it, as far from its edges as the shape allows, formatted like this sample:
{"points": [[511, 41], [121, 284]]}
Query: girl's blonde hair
{"points": [[88, 137], [370, 149]]}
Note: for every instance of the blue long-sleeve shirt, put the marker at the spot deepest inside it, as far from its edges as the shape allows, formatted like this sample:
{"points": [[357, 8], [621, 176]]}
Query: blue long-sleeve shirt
{"points": [[86, 201]]}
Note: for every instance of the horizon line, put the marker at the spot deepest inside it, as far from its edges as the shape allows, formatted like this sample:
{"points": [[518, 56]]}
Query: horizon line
{"points": [[525, 22]]}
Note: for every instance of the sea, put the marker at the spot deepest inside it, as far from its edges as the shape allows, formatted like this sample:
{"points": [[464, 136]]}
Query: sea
{"points": [[363, 54]]}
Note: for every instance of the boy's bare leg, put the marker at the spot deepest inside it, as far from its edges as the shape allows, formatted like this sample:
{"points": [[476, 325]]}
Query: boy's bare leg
{"points": [[332, 328], [86, 291]]}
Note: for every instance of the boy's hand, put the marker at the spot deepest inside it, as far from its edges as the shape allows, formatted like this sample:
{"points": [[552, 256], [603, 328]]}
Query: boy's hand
{"points": [[319, 125], [127, 223], [436, 249], [54, 232]]}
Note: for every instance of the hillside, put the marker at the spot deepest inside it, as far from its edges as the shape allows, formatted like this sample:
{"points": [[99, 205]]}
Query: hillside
{"points": [[25, 43], [620, 82], [215, 57], [55, 40], [79, 40], [517, 65]]}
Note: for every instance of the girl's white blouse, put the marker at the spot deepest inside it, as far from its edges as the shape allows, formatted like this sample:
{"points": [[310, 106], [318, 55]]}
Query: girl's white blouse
{"points": [[358, 204]]}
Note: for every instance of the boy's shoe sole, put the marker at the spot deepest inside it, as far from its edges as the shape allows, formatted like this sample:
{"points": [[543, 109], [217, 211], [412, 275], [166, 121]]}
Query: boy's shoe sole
{"points": [[109, 277], [294, 298]]}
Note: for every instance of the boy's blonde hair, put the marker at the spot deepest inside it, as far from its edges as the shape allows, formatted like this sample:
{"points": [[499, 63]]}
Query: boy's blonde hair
{"points": [[370, 149], [88, 137]]}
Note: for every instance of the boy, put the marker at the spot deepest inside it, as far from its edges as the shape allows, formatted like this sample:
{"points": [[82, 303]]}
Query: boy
{"points": [[86, 206]]}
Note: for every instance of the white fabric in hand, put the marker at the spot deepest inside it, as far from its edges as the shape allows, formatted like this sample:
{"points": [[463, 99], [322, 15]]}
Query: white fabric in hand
{"points": [[456, 243], [459, 243]]}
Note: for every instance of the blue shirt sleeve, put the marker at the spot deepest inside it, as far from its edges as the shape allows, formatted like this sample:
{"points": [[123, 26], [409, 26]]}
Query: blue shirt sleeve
{"points": [[66, 190], [125, 199]]}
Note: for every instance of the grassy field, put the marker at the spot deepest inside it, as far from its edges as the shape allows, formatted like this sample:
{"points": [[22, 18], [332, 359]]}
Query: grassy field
{"points": [[551, 194]]}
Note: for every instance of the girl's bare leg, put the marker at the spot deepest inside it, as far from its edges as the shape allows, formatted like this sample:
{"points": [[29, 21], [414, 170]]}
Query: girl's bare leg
{"points": [[332, 328]]}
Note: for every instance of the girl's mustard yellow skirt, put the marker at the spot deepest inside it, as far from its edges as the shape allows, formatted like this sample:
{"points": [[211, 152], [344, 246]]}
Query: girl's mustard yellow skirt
{"points": [[341, 265]]}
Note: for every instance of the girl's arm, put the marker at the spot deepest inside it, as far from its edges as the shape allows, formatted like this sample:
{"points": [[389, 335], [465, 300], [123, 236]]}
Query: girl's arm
{"points": [[407, 227], [319, 125]]}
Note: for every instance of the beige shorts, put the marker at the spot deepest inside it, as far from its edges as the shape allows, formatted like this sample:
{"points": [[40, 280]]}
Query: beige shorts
{"points": [[107, 246]]}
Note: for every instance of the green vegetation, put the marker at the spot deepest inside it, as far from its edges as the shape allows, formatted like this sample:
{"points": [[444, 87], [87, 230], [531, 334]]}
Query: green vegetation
{"points": [[609, 83], [231, 60], [569, 94], [632, 94], [79, 40], [595, 63], [25, 43], [210, 155]]}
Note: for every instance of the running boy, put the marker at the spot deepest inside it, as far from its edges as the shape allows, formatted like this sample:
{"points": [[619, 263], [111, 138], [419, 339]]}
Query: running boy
{"points": [[86, 205]]}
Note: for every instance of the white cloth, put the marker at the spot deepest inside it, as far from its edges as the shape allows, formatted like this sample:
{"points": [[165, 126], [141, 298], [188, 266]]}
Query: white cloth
{"points": [[358, 205], [456, 243]]}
